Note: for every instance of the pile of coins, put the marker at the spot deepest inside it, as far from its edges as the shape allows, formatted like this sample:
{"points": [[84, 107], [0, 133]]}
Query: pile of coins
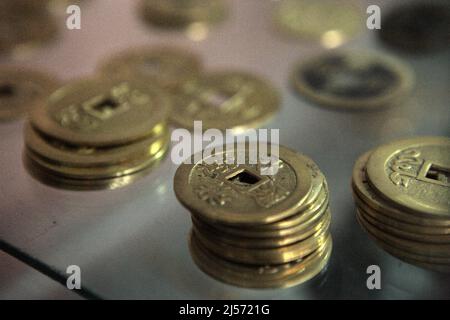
{"points": [[97, 134], [255, 230], [231, 99], [402, 194], [353, 80]]}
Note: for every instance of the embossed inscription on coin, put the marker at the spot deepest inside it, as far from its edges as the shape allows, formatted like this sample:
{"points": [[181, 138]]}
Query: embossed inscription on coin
{"points": [[414, 173], [225, 100]]}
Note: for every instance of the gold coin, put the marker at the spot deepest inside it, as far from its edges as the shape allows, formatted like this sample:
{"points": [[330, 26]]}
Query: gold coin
{"points": [[364, 191], [225, 100], [400, 225], [279, 276], [330, 22], [167, 67], [415, 247], [353, 80], [392, 248], [99, 113], [265, 242], [79, 156], [182, 13], [43, 176], [414, 175], [259, 231], [104, 172], [262, 256], [425, 238], [305, 213], [21, 88], [239, 194]]}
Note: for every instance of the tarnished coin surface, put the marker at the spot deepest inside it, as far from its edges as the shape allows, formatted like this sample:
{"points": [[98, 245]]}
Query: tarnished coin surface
{"points": [[233, 193], [22, 88], [225, 100], [353, 80], [329, 22], [168, 67], [414, 174], [97, 112]]}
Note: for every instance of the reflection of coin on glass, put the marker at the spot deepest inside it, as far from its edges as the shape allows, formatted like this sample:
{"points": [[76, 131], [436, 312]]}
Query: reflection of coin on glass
{"points": [[353, 80]]}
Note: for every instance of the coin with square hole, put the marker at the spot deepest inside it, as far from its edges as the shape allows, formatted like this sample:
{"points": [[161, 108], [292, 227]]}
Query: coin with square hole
{"points": [[97, 112], [413, 174], [232, 193], [225, 100]]}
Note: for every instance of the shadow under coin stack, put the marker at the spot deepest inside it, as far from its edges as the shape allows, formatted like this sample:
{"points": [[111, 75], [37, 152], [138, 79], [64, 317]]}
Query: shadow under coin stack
{"points": [[94, 134], [254, 230], [402, 194]]}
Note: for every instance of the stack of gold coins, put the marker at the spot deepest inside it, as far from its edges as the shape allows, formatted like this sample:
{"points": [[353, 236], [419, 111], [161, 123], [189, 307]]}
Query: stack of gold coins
{"points": [[256, 230], [94, 134], [402, 194], [228, 99]]}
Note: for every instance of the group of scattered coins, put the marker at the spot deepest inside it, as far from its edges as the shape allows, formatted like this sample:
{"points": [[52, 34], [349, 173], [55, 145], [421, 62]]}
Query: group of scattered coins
{"points": [[249, 229], [255, 230], [105, 131], [231, 99], [402, 194]]}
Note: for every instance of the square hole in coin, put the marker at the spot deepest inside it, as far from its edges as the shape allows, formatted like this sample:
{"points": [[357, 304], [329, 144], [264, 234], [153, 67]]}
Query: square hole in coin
{"points": [[439, 174], [244, 178], [106, 105]]}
